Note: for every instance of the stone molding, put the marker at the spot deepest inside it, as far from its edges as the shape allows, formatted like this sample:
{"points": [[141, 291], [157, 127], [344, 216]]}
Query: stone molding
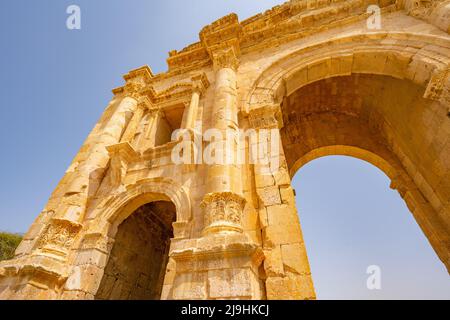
{"points": [[121, 155]]}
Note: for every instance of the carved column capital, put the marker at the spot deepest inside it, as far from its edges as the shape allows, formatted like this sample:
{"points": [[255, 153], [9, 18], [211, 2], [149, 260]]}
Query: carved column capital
{"points": [[266, 117], [200, 83], [437, 84], [225, 57], [132, 90], [144, 103], [223, 212], [222, 41]]}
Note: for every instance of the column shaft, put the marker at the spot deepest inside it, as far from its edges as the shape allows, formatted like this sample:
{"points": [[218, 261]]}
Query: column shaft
{"points": [[90, 172], [190, 114]]}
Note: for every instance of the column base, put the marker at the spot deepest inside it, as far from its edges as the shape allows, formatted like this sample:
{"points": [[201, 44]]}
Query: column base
{"points": [[216, 267]]}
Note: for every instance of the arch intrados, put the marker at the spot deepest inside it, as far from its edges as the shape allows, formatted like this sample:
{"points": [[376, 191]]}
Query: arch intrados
{"points": [[342, 150], [119, 207]]}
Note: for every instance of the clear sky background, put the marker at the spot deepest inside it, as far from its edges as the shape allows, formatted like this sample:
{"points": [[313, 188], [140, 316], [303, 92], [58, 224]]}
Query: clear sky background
{"points": [[55, 83]]}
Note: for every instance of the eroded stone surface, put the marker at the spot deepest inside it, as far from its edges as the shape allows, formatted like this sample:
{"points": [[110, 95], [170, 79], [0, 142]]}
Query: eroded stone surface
{"points": [[310, 70]]}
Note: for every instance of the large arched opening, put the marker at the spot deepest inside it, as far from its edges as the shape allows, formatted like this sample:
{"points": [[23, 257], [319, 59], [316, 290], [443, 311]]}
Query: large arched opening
{"points": [[379, 97], [353, 224], [137, 262], [382, 120]]}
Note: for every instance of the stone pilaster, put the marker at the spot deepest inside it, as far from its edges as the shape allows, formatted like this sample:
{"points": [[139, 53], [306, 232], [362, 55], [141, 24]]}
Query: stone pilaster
{"points": [[286, 264], [142, 106], [199, 85]]}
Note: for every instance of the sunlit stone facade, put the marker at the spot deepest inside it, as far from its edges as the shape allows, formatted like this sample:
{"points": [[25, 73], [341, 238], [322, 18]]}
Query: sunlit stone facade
{"points": [[125, 222]]}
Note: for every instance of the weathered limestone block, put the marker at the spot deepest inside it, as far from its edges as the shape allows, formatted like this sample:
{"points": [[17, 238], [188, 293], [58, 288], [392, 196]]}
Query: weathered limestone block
{"points": [[290, 288], [270, 196], [190, 286], [295, 259], [230, 283]]}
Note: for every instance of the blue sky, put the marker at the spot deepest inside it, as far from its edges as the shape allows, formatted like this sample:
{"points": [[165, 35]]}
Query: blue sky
{"points": [[55, 83]]}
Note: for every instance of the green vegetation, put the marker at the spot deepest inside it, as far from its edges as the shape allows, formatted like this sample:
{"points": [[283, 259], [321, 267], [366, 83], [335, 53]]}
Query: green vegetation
{"points": [[8, 244]]}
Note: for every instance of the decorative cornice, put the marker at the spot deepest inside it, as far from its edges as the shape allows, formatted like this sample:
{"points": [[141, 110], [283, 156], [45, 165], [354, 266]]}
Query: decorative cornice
{"points": [[221, 39], [180, 92], [216, 248], [124, 150], [143, 74], [283, 23], [287, 22], [43, 271]]}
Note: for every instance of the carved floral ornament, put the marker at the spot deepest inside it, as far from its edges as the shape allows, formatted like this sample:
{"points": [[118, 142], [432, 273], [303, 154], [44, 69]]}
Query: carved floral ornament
{"points": [[437, 84], [422, 8], [59, 236], [223, 212], [226, 57], [132, 90]]}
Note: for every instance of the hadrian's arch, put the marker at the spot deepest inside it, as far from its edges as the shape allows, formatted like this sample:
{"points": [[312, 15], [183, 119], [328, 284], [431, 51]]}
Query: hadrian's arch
{"points": [[310, 70]]}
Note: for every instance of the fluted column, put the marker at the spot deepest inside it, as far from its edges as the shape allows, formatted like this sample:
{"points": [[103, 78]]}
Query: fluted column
{"points": [[142, 105], [223, 203], [199, 85], [154, 115], [191, 110]]}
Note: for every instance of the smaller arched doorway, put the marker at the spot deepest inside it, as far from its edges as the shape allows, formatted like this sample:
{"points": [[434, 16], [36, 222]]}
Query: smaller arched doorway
{"points": [[138, 259]]}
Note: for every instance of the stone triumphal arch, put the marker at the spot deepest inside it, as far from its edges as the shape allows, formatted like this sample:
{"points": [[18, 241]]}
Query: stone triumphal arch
{"points": [[126, 222]]}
